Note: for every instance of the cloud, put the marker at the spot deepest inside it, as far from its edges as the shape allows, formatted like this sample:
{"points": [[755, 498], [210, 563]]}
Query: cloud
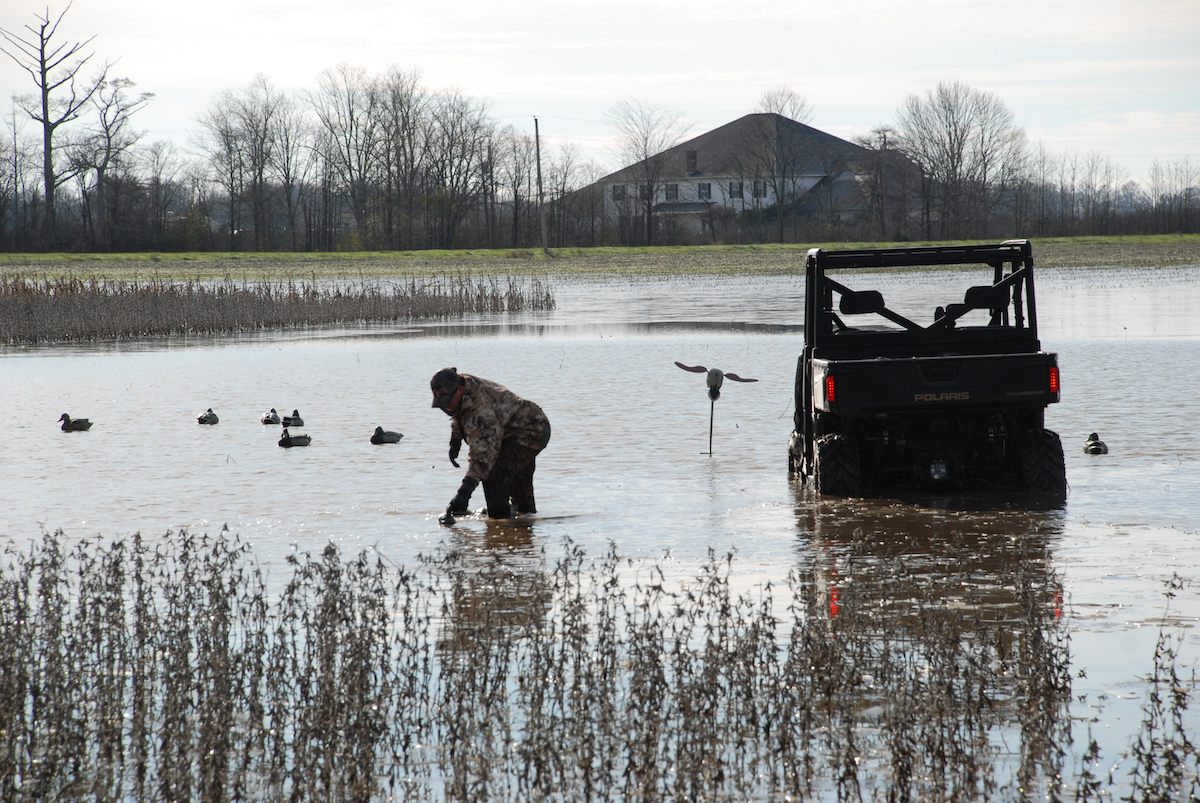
{"points": [[1070, 70]]}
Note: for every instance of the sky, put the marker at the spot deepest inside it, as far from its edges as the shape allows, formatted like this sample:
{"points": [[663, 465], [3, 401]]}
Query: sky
{"points": [[1118, 77]]}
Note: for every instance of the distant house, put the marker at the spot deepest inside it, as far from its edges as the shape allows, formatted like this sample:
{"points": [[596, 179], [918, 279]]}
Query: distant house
{"points": [[761, 168]]}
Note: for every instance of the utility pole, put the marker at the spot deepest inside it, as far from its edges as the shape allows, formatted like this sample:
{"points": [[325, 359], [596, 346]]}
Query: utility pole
{"points": [[537, 144]]}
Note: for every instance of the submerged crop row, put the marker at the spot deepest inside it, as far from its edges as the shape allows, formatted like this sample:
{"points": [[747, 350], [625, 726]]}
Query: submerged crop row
{"points": [[167, 670], [72, 309]]}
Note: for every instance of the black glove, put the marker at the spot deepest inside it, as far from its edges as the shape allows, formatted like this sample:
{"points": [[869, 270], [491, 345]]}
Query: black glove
{"points": [[461, 499], [455, 448]]}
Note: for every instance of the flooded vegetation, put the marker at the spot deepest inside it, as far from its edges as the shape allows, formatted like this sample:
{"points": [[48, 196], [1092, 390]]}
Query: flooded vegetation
{"points": [[72, 309], [168, 671]]}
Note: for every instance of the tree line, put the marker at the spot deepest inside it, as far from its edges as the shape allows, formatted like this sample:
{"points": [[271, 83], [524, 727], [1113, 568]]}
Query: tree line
{"points": [[956, 165], [382, 162]]}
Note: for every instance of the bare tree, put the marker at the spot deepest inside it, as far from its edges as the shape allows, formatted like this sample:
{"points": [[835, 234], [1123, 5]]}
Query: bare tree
{"points": [[885, 180], [967, 146], [255, 111], [221, 140], [1042, 170], [163, 167], [346, 103], [996, 157], [1184, 177], [775, 153], [291, 159], [321, 207], [459, 131], [516, 166], [1068, 193], [775, 156], [106, 147], [785, 101], [404, 123], [574, 211], [9, 172], [54, 68], [23, 179], [644, 133]]}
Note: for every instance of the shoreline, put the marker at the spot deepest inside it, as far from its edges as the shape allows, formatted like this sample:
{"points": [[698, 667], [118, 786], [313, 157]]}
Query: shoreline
{"points": [[760, 259]]}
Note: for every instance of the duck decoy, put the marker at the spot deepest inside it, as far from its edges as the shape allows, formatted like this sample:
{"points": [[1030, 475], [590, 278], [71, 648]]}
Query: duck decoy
{"points": [[382, 436], [288, 440], [207, 417], [293, 420], [74, 424], [1093, 445], [716, 378], [271, 417]]}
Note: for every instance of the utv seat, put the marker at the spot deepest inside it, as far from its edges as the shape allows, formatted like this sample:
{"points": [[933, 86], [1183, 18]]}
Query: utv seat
{"points": [[862, 302], [989, 298]]}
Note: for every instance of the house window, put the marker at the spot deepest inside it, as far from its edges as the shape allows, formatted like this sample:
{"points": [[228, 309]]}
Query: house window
{"points": [[735, 189], [704, 190], [760, 189], [618, 192], [672, 192], [643, 192]]}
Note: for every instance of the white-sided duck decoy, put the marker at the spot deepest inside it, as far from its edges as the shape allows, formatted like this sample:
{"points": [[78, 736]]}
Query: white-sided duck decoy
{"points": [[716, 378], [270, 417], [1093, 445], [289, 440], [207, 417], [381, 436], [74, 424], [293, 420]]}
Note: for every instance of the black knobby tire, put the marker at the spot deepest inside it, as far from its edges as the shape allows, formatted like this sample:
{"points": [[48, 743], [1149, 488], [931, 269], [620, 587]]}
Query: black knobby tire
{"points": [[836, 470], [1043, 468]]}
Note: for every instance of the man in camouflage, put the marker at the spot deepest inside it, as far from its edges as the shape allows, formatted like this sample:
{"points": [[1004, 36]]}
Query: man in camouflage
{"points": [[505, 433]]}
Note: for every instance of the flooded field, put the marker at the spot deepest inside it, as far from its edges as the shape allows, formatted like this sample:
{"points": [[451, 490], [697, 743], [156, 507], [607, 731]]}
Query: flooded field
{"points": [[628, 474]]}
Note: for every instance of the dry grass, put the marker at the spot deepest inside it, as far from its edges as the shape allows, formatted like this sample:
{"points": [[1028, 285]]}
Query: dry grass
{"points": [[1142, 251], [73, 310], [166, 671]]}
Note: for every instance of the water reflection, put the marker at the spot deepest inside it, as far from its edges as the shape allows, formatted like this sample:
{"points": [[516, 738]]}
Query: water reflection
{"points": [[956, 553], [954, 616], [499, 586]]}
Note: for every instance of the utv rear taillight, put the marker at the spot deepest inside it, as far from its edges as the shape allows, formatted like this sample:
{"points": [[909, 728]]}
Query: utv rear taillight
{"points": [[829, 388], [1054, 380]]}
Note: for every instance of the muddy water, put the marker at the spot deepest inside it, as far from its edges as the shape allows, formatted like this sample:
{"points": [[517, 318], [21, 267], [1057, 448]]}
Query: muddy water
{"points": [[629, 462]]}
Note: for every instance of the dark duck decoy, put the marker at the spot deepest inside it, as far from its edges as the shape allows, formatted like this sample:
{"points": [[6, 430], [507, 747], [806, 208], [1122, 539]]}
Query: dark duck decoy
{"points": [[207, 417], [293, 420], [74, 424], [1093, 445], [382, 436], [271, 417], [289, 440]]}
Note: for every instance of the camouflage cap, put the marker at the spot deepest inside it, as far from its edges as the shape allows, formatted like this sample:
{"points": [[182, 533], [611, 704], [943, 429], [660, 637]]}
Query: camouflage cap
{"points": [[443, 385], [445, 379]]}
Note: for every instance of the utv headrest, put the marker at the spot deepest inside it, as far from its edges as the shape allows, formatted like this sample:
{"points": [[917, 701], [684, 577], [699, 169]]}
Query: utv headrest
{"points": [[861, 302], [985, 297]]}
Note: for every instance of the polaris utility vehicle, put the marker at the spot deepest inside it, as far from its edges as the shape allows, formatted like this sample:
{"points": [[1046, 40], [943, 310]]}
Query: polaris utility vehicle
{"points": [[943, 387]]}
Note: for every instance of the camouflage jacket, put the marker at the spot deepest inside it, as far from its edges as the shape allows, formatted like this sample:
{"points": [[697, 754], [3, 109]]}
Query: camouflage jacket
{"points": [[489, 414]]}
